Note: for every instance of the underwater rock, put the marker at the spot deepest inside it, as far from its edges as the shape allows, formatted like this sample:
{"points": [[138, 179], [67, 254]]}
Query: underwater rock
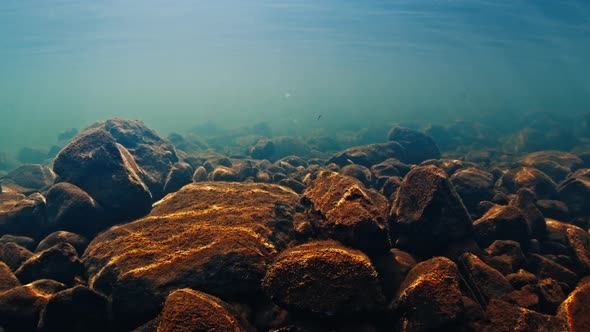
{"points": [[473, 186], [506, 256], [59, 263], [428, 214], [450, 166], [20, 307], [341, 208], [369, 155], [263, 149], [94, 162], [191, 310], [217, 237], [21, 215], [546, 268], [526, 297], [575, 192], [222, 173], [67, 134], [574, 310], [153, 154], [358, 172], [30, 155], [525, 201], [77, 241], [75, 309], [297, 186], [324, 278], [522, 278], [556, 164], [501, 222], [24, 241], [418, 146], [393, 267], [487, 280], [31, 177], [7, 279], [553, 209], [574, 238], [180, 175], [527, 177], [14, 255], [551, 295], [200, 174], [70, 208], [430, 298], [506, 317]]}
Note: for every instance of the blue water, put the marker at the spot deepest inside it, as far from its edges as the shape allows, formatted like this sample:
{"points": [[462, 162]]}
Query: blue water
{"points": [[177, 64]]}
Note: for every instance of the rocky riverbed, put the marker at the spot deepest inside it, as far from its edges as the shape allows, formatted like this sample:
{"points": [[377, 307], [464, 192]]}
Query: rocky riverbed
{"points": [[445, 228]]}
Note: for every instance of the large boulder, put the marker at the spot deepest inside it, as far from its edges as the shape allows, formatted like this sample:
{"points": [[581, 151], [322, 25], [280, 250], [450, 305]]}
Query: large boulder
{"points": [[430, 297], [574, 238], [14, 255], [152, 153], [70, 208], [215, 237], [189, 310], [428, 214], [22, 215], [104, 169], [344, 210], [418, 146], [78, 242], [20, 307], [324, 278], [369, 155]]}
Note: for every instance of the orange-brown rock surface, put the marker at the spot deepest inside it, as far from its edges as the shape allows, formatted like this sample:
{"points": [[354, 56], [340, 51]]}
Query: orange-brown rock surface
{"points": [[215, 237]]}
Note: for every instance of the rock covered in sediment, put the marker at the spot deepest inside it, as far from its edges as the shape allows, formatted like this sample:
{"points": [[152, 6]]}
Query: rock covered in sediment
{"points": [[489, 281], [97, 164], [20, 307], [428, 214], [473, 186], [24, 241], [574, 310], [215, 237], [506, 256], [7, 279], [574, 238], [418, 146], [190, 310], [343, 209], [75, 309], [528, 177], [430, 297], [180, 175], [324, 278], [525, 201], [575, 192], [369, 155], [154, 155], [30, 177], [70, 208], [501, 222], [22, 215], [77, 241], [60, 263], [556, 164], [14, 255], [506, 317]]}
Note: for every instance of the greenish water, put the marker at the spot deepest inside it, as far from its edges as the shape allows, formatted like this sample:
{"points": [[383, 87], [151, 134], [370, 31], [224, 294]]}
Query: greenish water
{"points": [[177, 64]]}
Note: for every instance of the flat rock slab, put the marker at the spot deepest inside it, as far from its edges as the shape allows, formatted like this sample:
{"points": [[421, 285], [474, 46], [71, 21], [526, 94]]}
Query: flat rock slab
{"points": [[215, 237]]}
